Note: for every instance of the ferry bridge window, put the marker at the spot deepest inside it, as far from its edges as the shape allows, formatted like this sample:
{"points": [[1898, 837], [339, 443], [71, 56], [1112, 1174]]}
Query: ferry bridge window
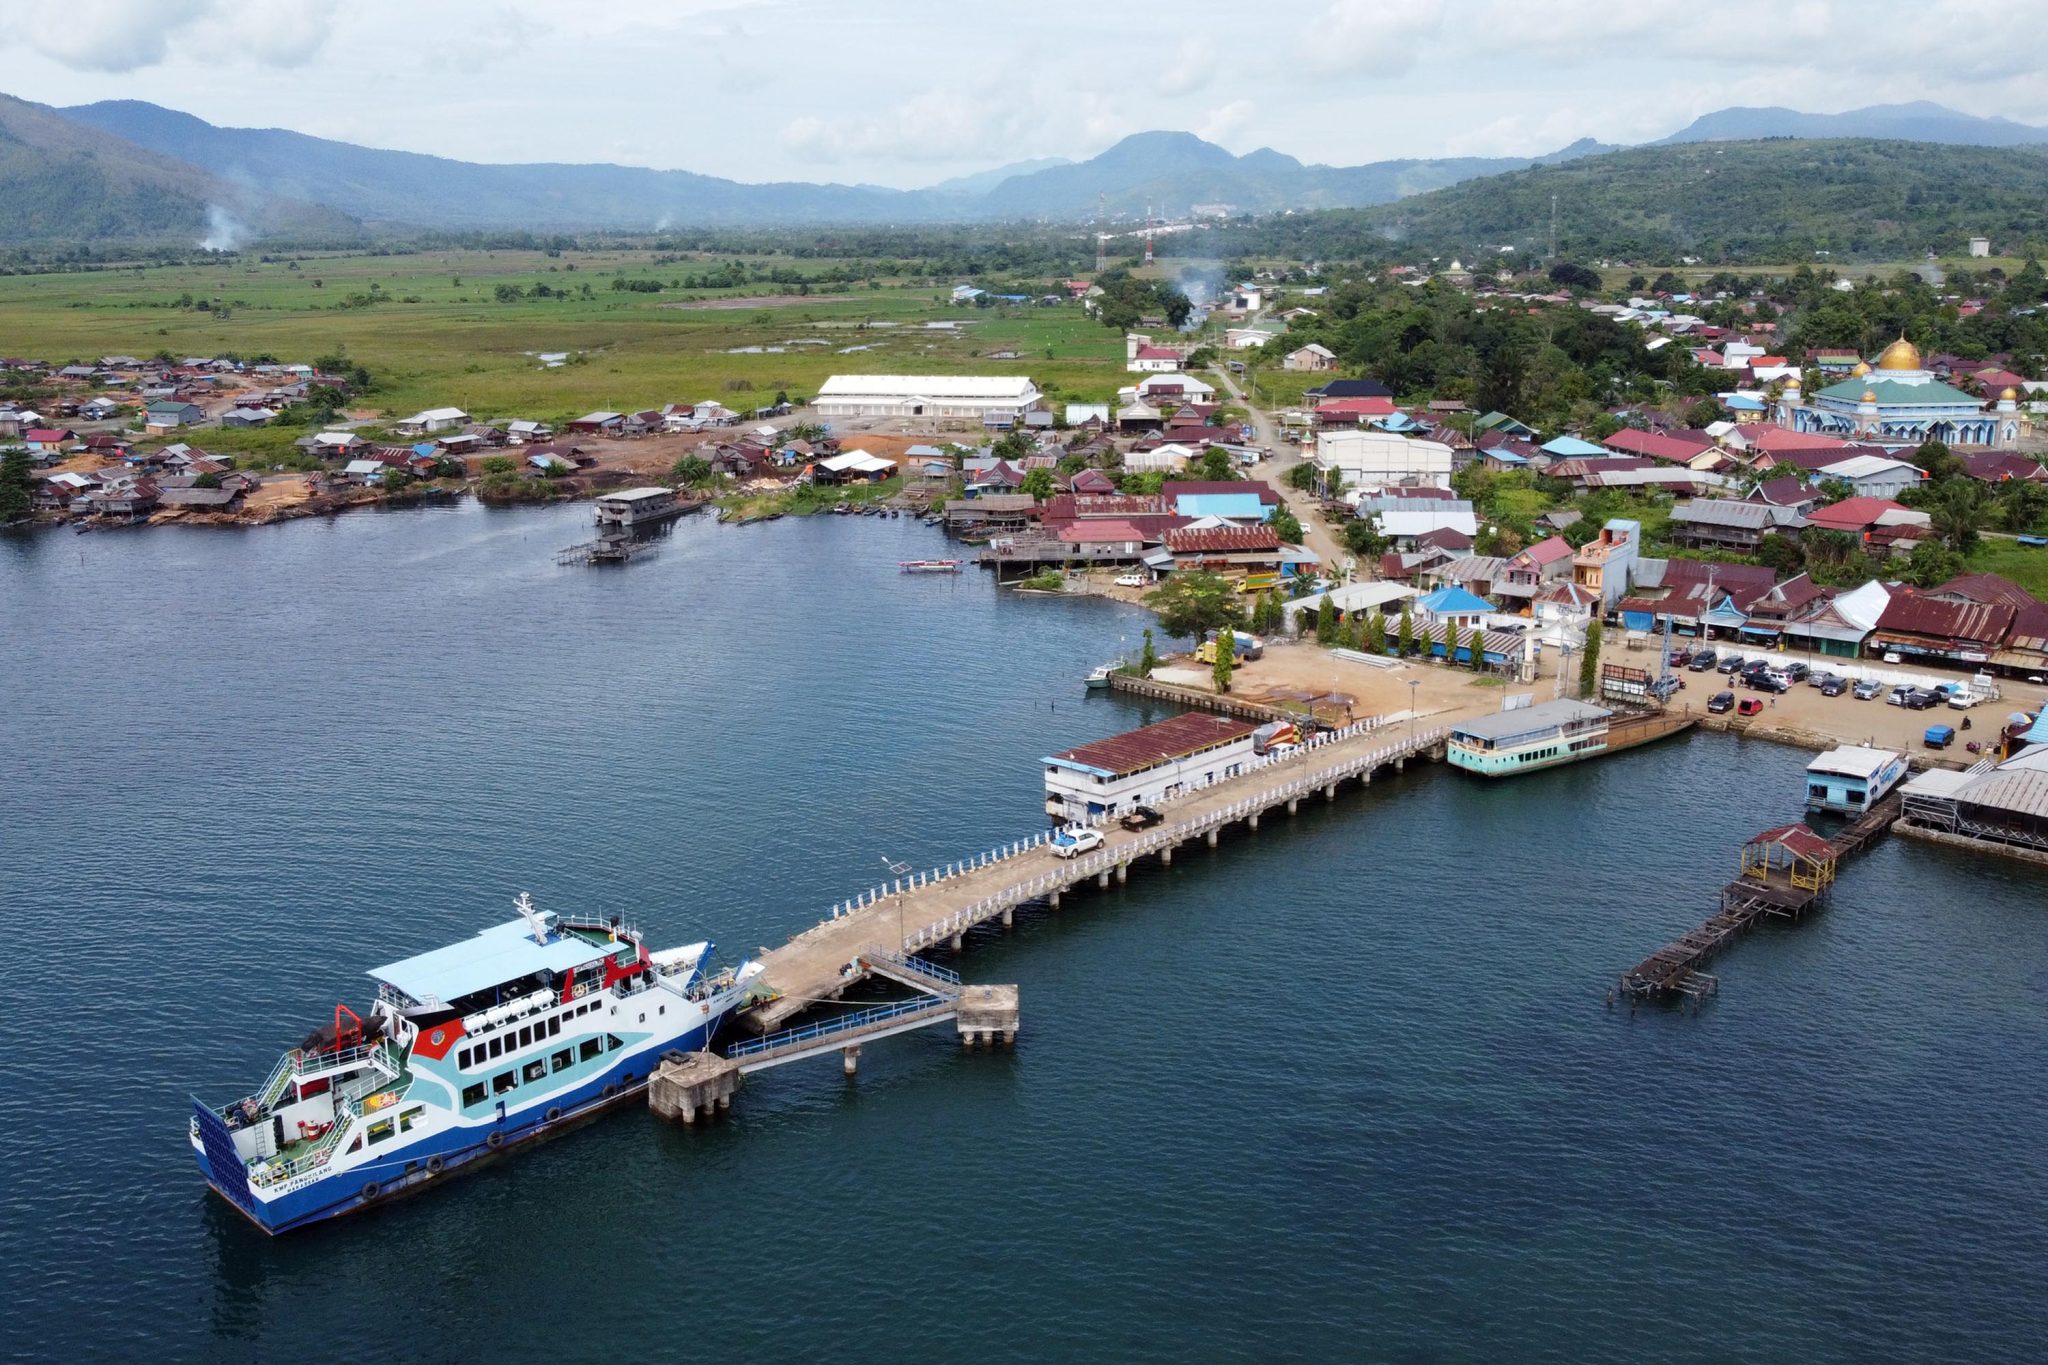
{"points": [[554, 1026], [525, 1036], [562, 1060], [613, 1041], [462, 1059], [472, 1094], [503, 1082], [496, 1045]]}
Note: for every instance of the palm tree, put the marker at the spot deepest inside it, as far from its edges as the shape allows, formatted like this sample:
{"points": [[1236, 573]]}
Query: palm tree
{"points": [[1957, 514]]}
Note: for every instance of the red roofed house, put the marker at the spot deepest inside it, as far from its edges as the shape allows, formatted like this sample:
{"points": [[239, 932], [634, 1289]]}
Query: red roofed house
{"points": [[1658, 446], [1226, 549], [1933, 627], [1531, 571], [1861, 516], [1339, 412], [1998, 466]]}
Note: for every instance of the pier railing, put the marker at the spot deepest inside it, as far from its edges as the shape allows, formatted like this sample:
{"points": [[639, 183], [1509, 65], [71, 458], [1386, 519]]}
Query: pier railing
{"points": [[1162, 837], [837, 1027], [1302, 754]]}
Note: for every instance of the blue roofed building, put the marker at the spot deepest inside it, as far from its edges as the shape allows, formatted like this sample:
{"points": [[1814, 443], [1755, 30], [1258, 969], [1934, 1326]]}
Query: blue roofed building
{"points": [[1568, 447], [1246, 507]]}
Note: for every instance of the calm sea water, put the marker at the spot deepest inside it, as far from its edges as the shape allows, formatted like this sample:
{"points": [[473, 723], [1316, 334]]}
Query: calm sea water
{"points": [[1345, 1089]]}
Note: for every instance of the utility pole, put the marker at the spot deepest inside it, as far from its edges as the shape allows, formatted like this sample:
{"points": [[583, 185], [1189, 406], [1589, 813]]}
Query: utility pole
{"points": [[1553, 225]]}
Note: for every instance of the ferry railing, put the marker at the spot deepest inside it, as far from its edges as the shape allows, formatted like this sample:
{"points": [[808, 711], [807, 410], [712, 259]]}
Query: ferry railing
{"points": [[310, 1063], [273, 1173], [829, 1028]]}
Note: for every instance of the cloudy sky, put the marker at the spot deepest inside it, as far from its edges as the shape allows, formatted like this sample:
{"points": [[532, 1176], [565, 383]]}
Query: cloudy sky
{"points": [[906, 92]]}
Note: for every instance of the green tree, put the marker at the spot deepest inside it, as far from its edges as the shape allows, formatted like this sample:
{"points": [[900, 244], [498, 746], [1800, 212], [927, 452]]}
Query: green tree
{"points": [[17, 482], [1226, 659], [1450, 642], [1286, 526], [1703, 412], [1589, 662], [1932, 564], [1302, 477], [1216, 464], [1957, 514], [1326, 622], [1361, 539], [207, 480], [1407, 637], [1148, 660], [1936, 458], [1476, 642], [1376, 634], [499, 464], [1192, 604], [1038, 483], [691, 470]]}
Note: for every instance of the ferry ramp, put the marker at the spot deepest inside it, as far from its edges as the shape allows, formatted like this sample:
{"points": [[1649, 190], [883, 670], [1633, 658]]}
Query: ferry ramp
{"points": [[937, 908]]}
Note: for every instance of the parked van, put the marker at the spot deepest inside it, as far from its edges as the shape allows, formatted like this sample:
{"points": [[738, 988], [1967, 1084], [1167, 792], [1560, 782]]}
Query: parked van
{"points": [[1939, 736]]}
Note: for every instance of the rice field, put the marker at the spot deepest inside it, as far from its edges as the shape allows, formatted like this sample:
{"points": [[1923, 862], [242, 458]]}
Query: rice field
{"points": [[433, 330]]}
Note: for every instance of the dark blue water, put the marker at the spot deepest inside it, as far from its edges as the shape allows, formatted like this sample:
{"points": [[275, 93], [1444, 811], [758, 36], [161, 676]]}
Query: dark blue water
{"points": [[1343, 1089]]}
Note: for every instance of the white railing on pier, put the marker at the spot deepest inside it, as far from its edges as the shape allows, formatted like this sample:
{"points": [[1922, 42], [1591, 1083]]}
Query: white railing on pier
{"points": [[1162, 837]]}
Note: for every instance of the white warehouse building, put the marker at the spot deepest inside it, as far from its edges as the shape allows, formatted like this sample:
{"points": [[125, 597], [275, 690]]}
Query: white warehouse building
{"points": [[924, 395], [1369, 459], [1144, 767]]}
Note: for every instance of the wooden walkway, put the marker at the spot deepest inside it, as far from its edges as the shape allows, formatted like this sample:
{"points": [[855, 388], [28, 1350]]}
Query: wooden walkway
{"points": [[936, 909], [1675, 970]]}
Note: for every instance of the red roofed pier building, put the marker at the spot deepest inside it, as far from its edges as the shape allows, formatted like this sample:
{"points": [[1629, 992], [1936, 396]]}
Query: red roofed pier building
{"points": [[1145, 767]]}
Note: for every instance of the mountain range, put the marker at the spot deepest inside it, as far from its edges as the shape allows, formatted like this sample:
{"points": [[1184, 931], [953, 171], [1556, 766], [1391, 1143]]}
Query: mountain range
{"points": [[125, 169]]}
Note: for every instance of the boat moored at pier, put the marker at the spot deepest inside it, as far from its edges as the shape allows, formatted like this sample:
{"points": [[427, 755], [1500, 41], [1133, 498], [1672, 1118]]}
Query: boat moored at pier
{"points": [[1549, 733], [469, 1050]]}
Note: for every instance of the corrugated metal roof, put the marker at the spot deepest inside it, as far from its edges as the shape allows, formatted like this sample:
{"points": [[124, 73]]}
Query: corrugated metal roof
{"points": [[1155, 744], [1912, 613]]}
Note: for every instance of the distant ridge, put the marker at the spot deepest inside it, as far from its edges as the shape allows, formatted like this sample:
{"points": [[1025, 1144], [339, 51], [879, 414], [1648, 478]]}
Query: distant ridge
{"points": [[1920, 121]]}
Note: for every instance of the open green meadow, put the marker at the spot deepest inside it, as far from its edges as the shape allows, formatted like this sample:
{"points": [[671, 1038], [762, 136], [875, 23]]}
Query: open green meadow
{"points": [[433, 329]]}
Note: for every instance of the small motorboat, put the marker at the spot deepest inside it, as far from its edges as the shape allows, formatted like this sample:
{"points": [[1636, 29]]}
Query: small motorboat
{"points": [[929, 565], [1098, 678]]}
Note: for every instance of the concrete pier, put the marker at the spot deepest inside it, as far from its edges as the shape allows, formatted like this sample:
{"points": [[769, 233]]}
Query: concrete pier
{"points": [[936, 911], [988, 1014], [689, 1084], [852, 1055]]}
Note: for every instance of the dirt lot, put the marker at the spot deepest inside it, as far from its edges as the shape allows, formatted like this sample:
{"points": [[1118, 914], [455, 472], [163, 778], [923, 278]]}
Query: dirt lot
{"points": [[1295, 674]]}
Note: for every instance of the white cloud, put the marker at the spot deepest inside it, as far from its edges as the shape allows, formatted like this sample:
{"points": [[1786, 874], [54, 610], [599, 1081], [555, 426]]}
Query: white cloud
{"points": [[1189, 69], [118, 36], [1372, 37], [108, 35], [937, 126], [1221, 123]]}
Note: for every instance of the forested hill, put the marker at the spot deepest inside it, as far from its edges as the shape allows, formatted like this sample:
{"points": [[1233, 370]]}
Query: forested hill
{"points": [[1777, 200], [60, 181]]}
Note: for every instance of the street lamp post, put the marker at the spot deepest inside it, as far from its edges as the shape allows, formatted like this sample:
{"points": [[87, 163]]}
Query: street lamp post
{"points": [[1413, 683], [899, 871]]}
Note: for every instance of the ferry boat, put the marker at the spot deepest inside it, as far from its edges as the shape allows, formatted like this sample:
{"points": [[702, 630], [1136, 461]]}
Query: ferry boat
{"points": [[929, 565], [469, 1051], [1550, 733]]}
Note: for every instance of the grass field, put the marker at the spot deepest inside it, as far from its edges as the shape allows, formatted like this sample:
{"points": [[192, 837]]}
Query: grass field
{"points": [[2024, 566], [433, 333]]}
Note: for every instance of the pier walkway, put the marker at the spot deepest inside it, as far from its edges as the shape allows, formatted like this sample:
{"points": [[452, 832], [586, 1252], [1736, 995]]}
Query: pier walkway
{"points": [[938, 908], [1784, 872]]}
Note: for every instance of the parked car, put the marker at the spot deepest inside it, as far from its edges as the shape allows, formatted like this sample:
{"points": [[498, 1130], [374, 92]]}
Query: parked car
{"points": [[1731, 664], [1132, 580], [1666, 687], [1721, 702], [1681, 656], [1866, 689], [1919, 699], [1833, 686], [1074, 840], [1962, 698], [1750, 706], [1819, 677], [1898, 694], [1140, 817], [1702, 661], [1796, 671], [1767, 681]]}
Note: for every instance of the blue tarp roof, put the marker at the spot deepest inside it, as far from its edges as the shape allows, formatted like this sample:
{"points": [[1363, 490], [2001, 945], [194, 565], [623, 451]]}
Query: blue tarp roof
{"points": [[1231, 506], [1452, 601], [2038, 732], [501, 953], [1742, 402], [1564, 447]]}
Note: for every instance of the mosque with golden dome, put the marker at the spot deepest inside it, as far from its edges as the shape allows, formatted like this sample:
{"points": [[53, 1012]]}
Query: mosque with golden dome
{"points": [[1897, 402]]}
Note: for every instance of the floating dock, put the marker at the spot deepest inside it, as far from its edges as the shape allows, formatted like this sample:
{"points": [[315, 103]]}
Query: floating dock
{"points": [[1785, 872]]}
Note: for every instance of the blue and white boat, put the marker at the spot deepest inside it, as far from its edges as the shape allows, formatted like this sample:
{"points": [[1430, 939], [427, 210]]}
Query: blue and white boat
{"points": [[469, 1051]]}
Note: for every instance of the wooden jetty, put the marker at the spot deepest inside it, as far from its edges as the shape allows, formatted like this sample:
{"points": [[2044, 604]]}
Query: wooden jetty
{"points": [[1785, 872], [937, 908]]}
